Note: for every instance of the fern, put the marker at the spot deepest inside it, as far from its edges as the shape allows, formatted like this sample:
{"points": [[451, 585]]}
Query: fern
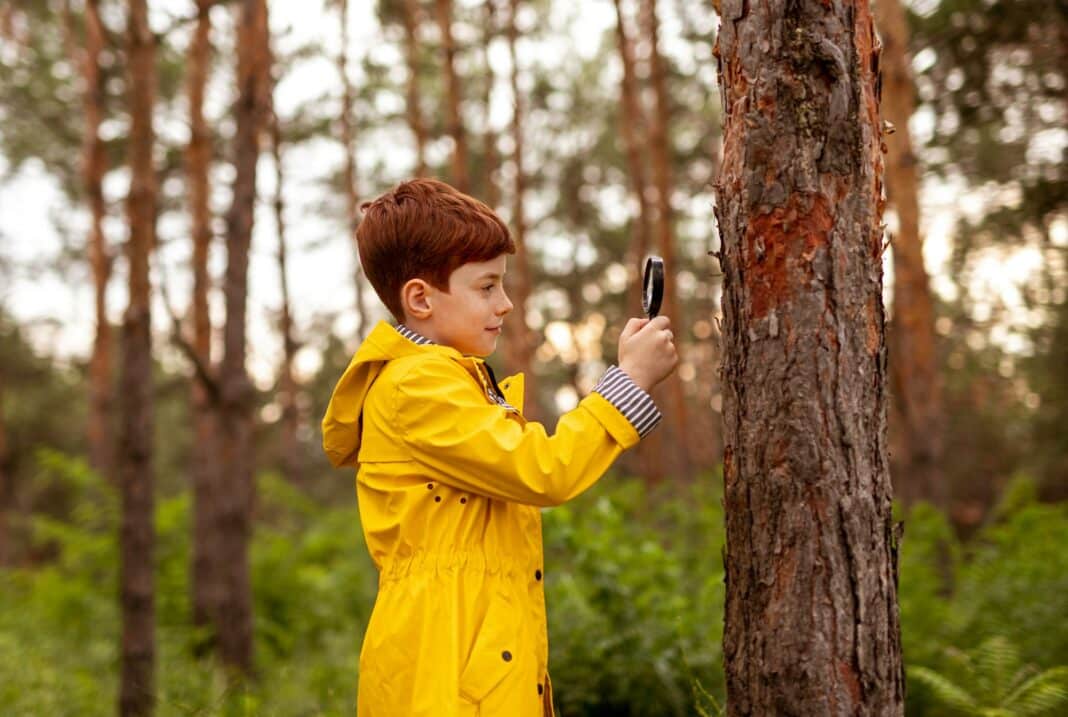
{"points": [[997, 683]]}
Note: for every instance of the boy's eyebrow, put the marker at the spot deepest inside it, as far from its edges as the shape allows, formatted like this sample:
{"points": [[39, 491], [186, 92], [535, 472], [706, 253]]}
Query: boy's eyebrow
{"points": [[488, 275]]}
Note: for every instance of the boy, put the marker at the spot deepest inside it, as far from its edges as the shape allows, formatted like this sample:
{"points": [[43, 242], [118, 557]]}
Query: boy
{"points": [[450, 475]]}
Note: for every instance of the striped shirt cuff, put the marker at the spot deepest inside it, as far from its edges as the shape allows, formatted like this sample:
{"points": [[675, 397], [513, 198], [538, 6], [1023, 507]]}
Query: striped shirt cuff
{"points": [[628, 397]]}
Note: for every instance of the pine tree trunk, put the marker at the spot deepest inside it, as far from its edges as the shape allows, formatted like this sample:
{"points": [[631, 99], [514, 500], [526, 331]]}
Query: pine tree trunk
{"points": [[676, 460], [458, 174], [632, 118], [916, 417], [7, 487], [100, 435], [292, 466], [137, 535], [235, 420], [489, 138], [811, 624], [634, 121], [410, 14], [208, 586], [522, 343], [352, 195]]}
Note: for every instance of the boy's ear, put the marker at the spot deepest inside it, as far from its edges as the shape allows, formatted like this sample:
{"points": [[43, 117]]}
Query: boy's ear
{"points": [[416, 300]]}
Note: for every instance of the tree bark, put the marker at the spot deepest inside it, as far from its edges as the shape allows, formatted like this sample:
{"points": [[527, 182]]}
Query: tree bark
{"points": [[522, 343], [235, 415], [489, 138], [352, 196], [631, 120], [410, 14], [292, 466], [99, 430], [137, 537], [208, 573], [917, 416], [7, 487], [677, 460], [811, 623], [458, 174]]}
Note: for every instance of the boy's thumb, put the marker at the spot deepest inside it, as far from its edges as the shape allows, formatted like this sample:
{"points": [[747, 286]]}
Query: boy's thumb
{"points": [[633, 326]]}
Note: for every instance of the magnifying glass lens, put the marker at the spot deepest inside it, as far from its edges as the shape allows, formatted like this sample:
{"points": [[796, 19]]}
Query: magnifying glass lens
{"points": [[653, 286]]}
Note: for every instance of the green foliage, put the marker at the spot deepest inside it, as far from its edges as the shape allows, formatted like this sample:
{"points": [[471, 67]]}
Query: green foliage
{"points": [[994, 682], [634, 583]]}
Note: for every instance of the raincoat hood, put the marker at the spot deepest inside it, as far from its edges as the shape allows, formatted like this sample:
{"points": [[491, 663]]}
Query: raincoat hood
{"points": [[341, 423]]}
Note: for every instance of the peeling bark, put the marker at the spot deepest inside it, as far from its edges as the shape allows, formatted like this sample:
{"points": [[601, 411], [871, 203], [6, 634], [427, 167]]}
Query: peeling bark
{"points": [[916, 420], [134, 461], [811, 623]]}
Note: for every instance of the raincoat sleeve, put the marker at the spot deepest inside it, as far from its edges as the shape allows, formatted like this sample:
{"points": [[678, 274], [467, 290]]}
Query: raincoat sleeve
{"points": [[462, 440]]}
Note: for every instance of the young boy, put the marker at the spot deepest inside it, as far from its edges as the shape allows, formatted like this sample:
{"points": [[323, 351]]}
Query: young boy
{"points": [[450, 475]]}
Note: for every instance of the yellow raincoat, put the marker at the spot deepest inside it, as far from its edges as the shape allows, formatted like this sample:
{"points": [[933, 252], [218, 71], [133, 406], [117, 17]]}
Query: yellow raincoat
{"points": [[449, 485]]}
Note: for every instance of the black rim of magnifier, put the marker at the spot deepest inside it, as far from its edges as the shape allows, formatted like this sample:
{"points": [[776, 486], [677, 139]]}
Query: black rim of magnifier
{"points": [[653, 285]]}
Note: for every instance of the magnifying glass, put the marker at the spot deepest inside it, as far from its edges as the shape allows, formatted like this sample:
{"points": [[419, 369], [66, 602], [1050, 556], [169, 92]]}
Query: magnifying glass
{"points": [[653, 286]]}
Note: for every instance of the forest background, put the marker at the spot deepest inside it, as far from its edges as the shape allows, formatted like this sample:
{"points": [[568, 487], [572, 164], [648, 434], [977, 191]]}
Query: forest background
{"points": [[262, 143]]}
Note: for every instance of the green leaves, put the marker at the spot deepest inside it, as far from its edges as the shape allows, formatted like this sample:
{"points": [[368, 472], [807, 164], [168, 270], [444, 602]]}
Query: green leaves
{"points": [[993, 681]]}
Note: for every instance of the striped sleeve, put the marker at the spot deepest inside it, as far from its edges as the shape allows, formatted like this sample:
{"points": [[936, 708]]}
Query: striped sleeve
{"points": [[628, 397]]}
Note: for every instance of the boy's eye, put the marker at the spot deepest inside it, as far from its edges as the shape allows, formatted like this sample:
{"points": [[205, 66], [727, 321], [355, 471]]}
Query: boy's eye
{"points": [[488, 287]]}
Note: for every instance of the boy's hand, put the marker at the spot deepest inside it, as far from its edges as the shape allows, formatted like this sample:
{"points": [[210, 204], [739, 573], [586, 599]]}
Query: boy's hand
{"points": [[647, 351]]}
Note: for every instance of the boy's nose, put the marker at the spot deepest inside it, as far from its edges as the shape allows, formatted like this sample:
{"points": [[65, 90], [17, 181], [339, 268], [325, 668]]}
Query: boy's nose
{"points": [[506, 307]]}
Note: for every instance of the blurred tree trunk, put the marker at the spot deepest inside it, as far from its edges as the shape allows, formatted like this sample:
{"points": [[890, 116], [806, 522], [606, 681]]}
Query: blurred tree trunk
{"points": [[352, 195], [916, 416], [677, 460], [458, 174], [208, 586], [410, 13], [237, 395], [7, 487], [137, 539], [632, 121], [811, 624], [292, 466], [521, 345], [100, 435], [489, 138]]}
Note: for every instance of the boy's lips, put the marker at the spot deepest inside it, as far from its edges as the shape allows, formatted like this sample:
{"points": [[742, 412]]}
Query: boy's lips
{"points": [[494, 330]]}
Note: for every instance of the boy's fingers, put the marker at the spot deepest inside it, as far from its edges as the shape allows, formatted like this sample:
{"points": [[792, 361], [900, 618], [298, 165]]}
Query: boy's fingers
{"points": [[633, 326]]}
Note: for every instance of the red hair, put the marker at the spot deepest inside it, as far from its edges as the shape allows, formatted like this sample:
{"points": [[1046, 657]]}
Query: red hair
{"points": [[425, 229]]}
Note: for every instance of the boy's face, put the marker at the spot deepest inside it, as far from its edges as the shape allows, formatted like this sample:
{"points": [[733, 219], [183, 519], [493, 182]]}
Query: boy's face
{"points": [[469, 317]]}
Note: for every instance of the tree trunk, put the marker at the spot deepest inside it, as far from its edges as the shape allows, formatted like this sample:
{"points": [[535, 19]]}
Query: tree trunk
{"points": [[208, 573], [633, 121], [489, 139], [137, 537], [410, 14], [677, 460], [352, 195], [811, 623], [916, 418], [99, 432], [458, 174], [522, 343], [292, 466], [7, 488], [235, 419]]}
